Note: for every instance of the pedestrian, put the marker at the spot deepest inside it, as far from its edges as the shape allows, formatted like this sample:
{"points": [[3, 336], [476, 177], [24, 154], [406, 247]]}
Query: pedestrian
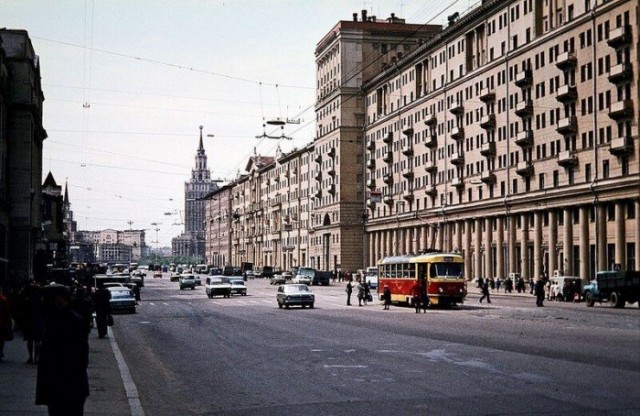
{"points": [[32, 320], [539, 291], [101, 302], [485, 292], [386, 297], [62, 383], [415, 297], [360, 288], [6, 324], [367, 292], [498, 283], [82, 304], [349, 290], [424, 302]]}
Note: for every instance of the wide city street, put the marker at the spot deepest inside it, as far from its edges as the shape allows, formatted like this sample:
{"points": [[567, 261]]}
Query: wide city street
{"points": [[191, 355]]}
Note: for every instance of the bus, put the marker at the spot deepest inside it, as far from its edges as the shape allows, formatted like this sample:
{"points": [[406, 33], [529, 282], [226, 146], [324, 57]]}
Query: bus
{"points": [[441, 275]]}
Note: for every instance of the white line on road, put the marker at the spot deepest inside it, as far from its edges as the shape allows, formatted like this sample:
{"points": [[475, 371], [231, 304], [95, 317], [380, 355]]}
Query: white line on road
{"points": [[129, 386]]}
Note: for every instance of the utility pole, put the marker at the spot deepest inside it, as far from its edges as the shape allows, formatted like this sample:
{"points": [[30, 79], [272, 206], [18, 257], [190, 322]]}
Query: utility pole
{"points": [[156, 224]]}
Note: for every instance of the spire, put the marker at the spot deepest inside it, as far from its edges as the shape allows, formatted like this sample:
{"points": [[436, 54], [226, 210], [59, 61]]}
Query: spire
{"points": [[66, 192], [201, 147]]}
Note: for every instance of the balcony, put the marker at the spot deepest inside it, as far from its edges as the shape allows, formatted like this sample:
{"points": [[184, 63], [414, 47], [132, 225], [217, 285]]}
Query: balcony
{"points": [[431, 190], [619, 36], [387, 199], [408, 174], [387, 179], [388, 138], [457, 133], [487, 95], [408, 195], [620, 73], [431, 120], [488, 122], [458, 183], [566, 93], [388, 157], [430, 166], [318, 175], [370, 203], [488, 149], [371, 164], [457, 158], [567, 159], [568, 125], [407, 150], [332, 152], [331, 171], [524, 138], [318, 158], [566, 60], [524, 78], [332, 189], [371, 183], [318, 194], [408, 132], [524, 168], [524, 108], [621, 146], [371, 145], [621, 109], [431, 140], [488, 178], [456, 107]]}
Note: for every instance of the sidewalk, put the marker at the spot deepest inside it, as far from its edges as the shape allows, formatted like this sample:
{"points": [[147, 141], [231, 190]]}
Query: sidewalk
{"points": [[18, 380]]}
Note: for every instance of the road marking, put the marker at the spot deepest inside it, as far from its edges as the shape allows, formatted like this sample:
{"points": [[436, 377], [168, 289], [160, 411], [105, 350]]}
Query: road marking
{"points": [[129, 386], [345, 366]]}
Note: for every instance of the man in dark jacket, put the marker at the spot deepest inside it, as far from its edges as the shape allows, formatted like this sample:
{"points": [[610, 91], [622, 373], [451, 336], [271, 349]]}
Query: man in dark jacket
{"points": [[62, 384], [101, 302]]}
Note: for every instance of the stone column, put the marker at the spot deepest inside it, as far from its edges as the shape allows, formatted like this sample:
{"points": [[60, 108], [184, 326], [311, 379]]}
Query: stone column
{"points": [[440, 236], [459, 230], [524, 252], [567, 248], [499, 247], [511, 243], [537, 244], [621, 255], [477, 268], [467, 250], [553, 242], [601, 237], [637, 235], [584, 242], [488, 258]]}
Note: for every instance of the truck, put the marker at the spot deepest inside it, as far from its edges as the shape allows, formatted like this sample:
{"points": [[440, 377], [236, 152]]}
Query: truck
{"points": [[616, 287]]}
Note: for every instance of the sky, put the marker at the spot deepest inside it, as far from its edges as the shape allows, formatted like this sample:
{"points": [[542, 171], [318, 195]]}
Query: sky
{"points": [[128, 83]]}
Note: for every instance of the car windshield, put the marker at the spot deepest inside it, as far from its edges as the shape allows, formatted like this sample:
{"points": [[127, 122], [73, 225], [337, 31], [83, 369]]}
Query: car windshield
{"points": [[297, 288], [446, 270], [119, 294]]}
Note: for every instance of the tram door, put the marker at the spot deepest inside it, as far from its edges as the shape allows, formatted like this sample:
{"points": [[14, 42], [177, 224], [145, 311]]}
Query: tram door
{"points": [[423, 279]]}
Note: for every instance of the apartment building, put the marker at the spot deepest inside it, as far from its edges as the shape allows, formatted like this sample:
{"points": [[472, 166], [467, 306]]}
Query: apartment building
{"points": [[512, 137]]}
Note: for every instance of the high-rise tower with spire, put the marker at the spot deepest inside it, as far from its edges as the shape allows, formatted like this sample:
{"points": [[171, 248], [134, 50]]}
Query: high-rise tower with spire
{"points": [[191, 243]]}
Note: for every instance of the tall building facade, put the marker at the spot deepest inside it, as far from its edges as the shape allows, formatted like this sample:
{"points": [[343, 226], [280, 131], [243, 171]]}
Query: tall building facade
{"points": [[192, 242], [511, 136]]}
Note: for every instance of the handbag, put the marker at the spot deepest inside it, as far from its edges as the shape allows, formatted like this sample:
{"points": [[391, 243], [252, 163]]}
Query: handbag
{"points": [[369, 298], [109, 320]]}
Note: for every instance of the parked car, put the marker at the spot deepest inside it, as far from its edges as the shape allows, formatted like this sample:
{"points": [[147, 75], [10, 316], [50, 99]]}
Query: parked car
{"points": [[295, 294], [197, 279], [187, 281], [218, 286], [267, 272], [238, 287], [304, 279], [157, 274], [122, 299], [174, 277]]}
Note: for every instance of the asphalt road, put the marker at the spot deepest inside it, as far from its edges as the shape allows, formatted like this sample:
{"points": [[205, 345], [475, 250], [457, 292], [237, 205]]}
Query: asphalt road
{"points": [[190, 355]]}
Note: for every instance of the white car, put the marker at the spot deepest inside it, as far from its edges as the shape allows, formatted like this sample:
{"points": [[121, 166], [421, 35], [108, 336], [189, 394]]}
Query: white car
{"points": [[302, 279], [218, 286]]}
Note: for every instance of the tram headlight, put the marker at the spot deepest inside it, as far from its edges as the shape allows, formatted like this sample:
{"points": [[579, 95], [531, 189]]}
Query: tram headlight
{"points": [[440, 290]]}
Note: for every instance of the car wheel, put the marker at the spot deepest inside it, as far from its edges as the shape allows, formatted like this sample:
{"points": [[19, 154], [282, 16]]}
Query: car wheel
{"points": [[588, 297], [311, 306], [193, 288], [286, 306], [303, 306], [279, 305], [210, 296]]}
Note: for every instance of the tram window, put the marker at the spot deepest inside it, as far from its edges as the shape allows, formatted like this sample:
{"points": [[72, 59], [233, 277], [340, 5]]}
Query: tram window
{"points": [[446, 270]]}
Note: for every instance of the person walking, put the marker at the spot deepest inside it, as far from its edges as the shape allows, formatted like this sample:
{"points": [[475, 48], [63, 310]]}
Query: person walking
{"points": [[539, 291], [6, 324], [485, 292], [101, 301], [33, 321], [367, 292], [360, 288], [415, 297], [349, 290], [62, 383], [386, 297]]}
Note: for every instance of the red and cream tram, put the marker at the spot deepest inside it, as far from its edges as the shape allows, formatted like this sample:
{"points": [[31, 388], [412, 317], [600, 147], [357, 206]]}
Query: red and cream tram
{"points": [[440, 274]]}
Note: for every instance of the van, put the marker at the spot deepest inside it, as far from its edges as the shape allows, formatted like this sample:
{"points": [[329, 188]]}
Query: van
{"points": [[313, 276], [371, 276]]}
